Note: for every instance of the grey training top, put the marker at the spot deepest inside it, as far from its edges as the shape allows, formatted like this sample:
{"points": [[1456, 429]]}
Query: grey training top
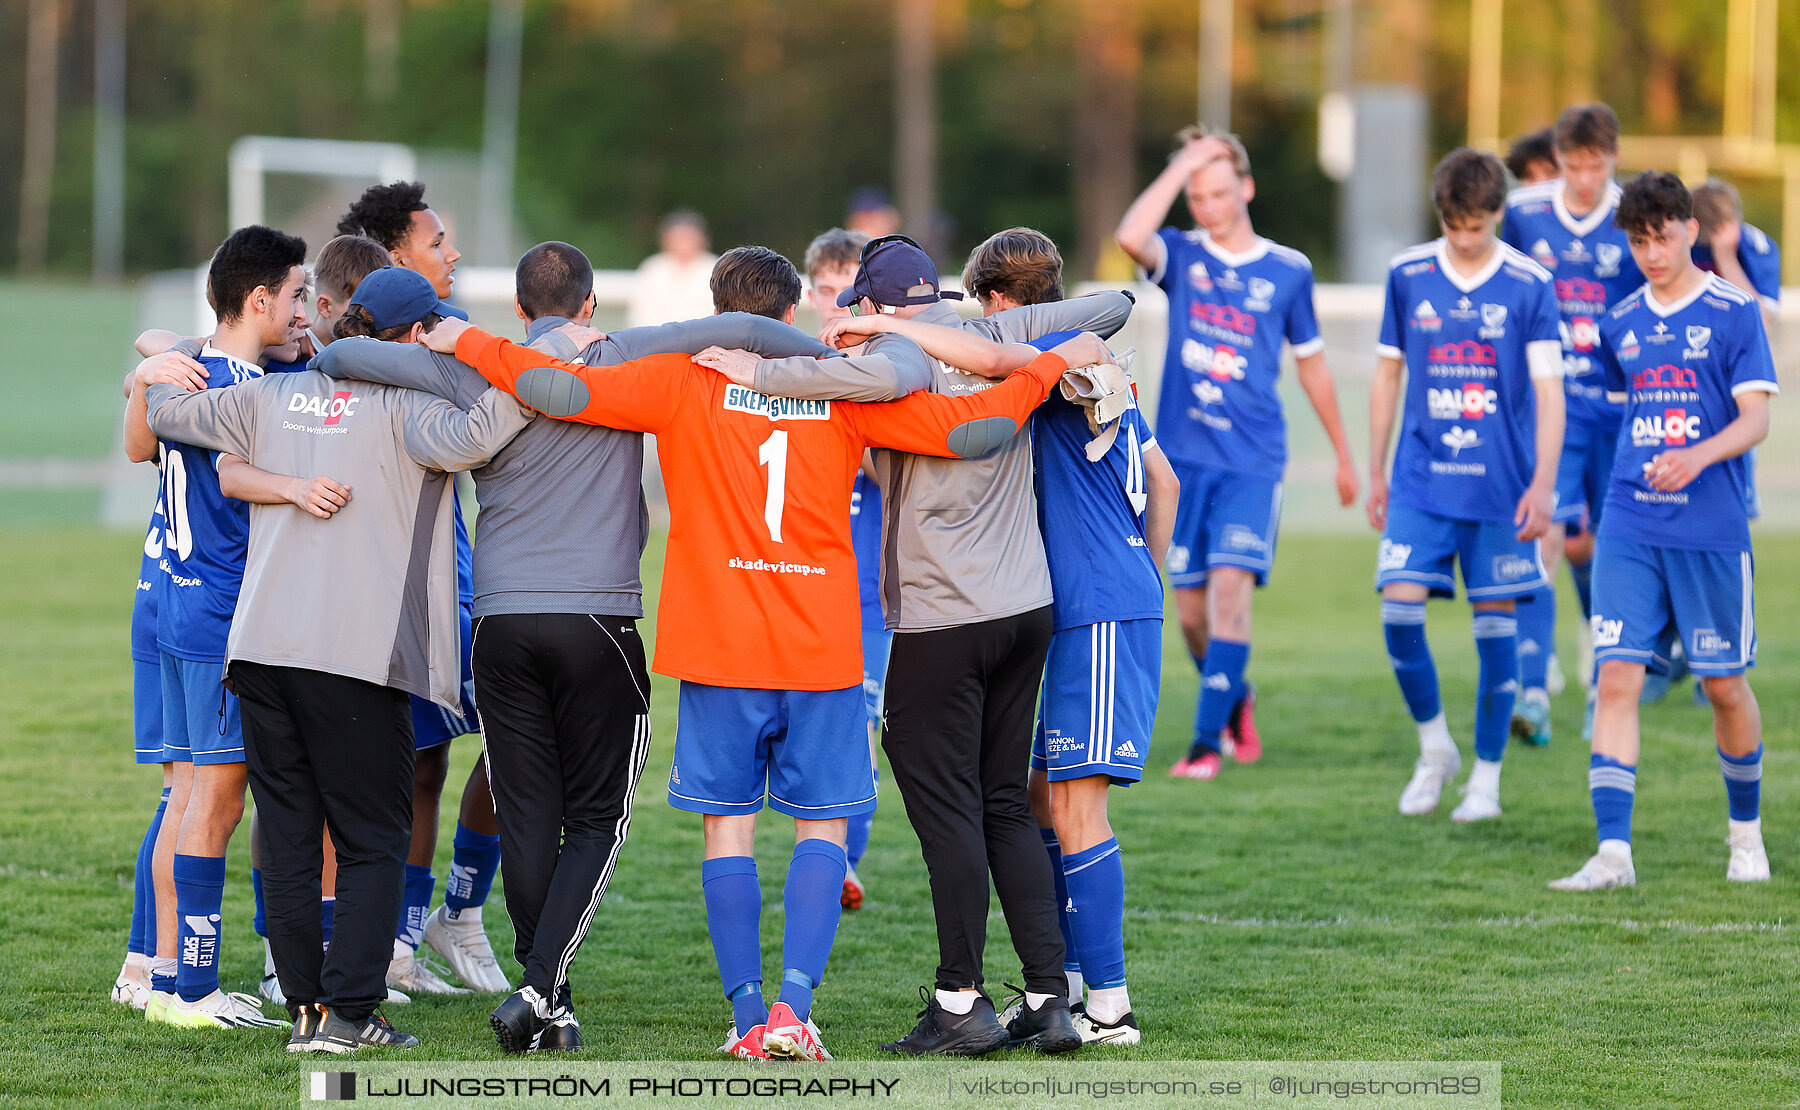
{"points": [[959, 538], [563, 522], [371, 592]]}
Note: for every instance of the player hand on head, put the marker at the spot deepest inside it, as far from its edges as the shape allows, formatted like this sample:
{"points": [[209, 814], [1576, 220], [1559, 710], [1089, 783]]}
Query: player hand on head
{"points": [[1203, 152], [1533, 514], [172, 368], [1085, 349], [1726, 235], [442, 338], [319, 496], [737, 365], [582, 335], [848, 331]]}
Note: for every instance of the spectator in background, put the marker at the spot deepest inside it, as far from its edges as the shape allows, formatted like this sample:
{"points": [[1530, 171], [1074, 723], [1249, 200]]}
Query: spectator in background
{"points": [[1533, 158], [872, 212], [676, 282]]}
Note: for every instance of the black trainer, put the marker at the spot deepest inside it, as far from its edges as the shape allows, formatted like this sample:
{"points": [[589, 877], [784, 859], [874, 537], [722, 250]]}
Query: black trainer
{"points": [[563, 1034], [942, 1033], [339, 1035], [520, 1019], [306, 1027], [1050, 1029]]}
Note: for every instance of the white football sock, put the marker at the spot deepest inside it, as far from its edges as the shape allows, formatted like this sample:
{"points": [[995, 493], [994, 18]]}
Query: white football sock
{"points": [[1485, 778], [1108, 1004], [1075, 985], [1036, 1001], [957, 1002], [1434, 737]]}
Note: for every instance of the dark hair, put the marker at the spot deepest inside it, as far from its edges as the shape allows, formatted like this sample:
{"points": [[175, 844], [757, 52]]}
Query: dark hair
{"points": [[1716, 202], [1587, 127], [553, 279], [250, 258], [1021, 263], [835, 249], [1652, 199], [1526, 149], [384, 213], [1468, 182], [755, 279], [357, 321], [344, 262]]}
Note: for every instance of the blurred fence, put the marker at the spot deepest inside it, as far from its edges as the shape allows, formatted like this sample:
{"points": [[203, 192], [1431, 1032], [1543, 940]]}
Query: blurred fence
{"points": [[1349, 316]]}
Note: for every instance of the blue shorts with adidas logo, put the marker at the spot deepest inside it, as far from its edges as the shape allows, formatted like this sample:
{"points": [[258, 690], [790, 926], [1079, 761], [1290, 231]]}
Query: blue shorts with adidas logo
{"points": [[1099, 701]]}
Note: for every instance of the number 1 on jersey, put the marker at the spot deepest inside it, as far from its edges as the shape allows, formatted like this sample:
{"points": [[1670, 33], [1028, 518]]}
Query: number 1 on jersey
{"points": [[773, 454]]}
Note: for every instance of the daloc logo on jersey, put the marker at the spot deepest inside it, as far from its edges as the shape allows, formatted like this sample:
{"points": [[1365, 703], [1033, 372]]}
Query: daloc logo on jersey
{"points": [[1607, 257], [1472, 402], [343, 403], [1584, 334], [1674, 428], [1696, 337], [1425, 317]]}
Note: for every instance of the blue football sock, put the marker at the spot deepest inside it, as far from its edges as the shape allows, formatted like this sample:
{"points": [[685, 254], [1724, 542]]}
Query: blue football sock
{"points": [[734, 920], [1497, 647], [1404, 624], [1071, 962], [415, 905], [1743, 783], [162, 975], [1583, 576], [1614, 787], [1221, 685], [199, 891], [856, 837], [259, 917], [815, 879], [474, 861], [1096, 879], [1537, 638], [143, 887], [327, 915]]}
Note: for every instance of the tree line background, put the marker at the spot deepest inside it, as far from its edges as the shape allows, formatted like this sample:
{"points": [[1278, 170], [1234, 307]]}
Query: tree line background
{"points": [[766, 114]]}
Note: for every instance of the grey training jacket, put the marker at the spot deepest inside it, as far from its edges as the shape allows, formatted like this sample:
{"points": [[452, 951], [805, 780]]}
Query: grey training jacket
{"points": [[959, 538], [371, 592], [563, 522]]}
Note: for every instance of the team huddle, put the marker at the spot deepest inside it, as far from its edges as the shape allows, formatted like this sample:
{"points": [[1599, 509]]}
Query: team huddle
{"points": [[974, 509]]}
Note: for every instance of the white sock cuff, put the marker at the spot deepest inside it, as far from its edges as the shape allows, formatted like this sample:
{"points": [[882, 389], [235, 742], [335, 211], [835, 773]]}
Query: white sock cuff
{"points": [[957, 1002]]}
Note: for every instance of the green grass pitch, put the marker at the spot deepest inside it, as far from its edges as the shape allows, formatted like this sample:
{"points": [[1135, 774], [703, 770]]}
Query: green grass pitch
{"points": [[1285, 911]]}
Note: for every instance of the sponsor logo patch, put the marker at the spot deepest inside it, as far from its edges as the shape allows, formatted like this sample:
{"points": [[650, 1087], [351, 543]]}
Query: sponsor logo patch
{"points": [[1393, 556], [741, 399], [1606, 631]]}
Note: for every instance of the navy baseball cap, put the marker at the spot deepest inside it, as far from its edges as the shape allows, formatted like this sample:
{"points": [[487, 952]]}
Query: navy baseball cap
{"points": [[395, 296], [895, 271]]}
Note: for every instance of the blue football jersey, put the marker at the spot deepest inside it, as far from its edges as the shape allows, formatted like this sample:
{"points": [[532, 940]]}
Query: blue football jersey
{"points": [[1590, 260], [1091, 514], [1761, 259], [205, 538], [865, 540], [1679, 369], [150, 579], [1228, 317], [1469, 428]]}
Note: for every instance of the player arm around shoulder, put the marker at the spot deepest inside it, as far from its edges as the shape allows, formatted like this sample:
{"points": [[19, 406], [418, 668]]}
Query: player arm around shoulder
{"points": [[965, 350]]}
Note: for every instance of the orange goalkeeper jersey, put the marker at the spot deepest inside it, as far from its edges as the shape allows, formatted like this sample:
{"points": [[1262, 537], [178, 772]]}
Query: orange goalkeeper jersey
{"points": [[759, 583]]}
